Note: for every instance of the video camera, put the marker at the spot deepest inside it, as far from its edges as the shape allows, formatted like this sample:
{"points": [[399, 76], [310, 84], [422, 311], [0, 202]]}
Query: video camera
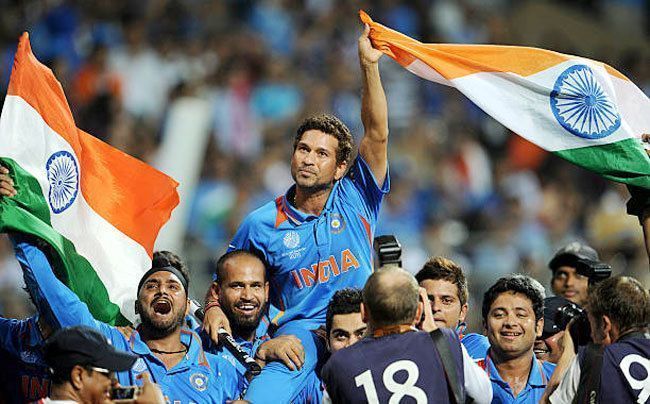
{"points": [[596, 271], [580, 330], [388, 250]]}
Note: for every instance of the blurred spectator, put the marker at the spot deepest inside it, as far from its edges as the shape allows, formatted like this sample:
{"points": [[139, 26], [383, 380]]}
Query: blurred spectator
{"points": [[465, 186]]}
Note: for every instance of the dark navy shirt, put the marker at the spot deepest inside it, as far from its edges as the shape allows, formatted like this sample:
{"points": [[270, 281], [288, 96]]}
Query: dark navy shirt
{"points": [[24, 375], [404, 368], [625, 376]]}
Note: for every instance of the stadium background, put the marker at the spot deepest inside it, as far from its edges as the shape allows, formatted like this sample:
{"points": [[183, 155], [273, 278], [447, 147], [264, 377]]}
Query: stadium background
{"points": [[463, 186]]}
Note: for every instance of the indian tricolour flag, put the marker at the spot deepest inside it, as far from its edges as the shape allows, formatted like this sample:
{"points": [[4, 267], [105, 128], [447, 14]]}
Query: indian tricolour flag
{"points": [[580, 109], [99, 208]]}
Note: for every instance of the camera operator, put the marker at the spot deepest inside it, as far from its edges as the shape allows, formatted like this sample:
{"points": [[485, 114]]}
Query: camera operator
{"points": [[571, 269], [615, 367]]}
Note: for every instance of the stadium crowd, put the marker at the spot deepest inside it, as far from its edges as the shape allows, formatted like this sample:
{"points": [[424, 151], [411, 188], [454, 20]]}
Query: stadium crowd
{"points": [[461, 187]]}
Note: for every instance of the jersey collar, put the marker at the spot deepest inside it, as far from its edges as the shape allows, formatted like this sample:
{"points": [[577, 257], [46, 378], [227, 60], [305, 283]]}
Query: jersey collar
{"points": [[296, 216], [194, 356], [536, 378]]}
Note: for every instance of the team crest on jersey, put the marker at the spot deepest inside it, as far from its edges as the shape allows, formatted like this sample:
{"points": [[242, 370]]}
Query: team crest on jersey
{"points": [[199, 381], [139, 366], [291, 239], [30, 357], [337, 224]]}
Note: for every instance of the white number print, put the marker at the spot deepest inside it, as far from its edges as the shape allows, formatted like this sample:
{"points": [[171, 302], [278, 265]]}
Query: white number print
{"points": [[399, 390], [636, 384]]}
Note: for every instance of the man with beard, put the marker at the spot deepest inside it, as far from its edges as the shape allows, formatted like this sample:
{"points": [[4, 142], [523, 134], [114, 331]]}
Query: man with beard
{"points": [[317, 238], [169, 354], [243, 293]]}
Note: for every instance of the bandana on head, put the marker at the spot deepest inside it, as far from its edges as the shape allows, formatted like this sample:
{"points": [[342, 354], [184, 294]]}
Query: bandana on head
{"points": [[162, 264]]}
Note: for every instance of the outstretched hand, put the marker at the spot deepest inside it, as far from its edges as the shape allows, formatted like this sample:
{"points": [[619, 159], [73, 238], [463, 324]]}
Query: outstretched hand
{"points": [[367, 54]]}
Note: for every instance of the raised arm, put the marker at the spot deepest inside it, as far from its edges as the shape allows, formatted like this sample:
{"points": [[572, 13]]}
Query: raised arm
{"points": [[374, 110], [58, 304]]}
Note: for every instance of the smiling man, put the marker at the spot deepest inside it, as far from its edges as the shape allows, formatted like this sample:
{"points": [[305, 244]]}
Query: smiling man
{"points": [[513, 311], [243, 295]]}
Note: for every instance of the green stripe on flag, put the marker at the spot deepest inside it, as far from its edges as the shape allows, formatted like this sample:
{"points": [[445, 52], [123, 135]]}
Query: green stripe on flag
{"points": [[623, 161], [29, 213]]}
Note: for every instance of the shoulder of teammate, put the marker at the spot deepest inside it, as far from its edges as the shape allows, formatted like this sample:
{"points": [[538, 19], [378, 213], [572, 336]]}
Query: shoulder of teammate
{"points": [[226, 375], [13, 332], [476, 345], [254, 228], [548, 368]]}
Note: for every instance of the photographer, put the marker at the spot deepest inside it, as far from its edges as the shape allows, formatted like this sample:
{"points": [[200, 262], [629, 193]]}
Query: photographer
{"points": [[571, 269], [615, 367]]}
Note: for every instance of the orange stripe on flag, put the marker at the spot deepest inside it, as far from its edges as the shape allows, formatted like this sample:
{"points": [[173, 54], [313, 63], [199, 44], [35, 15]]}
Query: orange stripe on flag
{"points": [[454, 61], [134, 197]]}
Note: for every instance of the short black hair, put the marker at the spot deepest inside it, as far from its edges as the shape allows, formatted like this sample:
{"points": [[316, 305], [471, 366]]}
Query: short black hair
{"points": [[176, 262], [516, 283], [221, 262], [333, 126], [440, 268], [63, 375], [344, 301]]}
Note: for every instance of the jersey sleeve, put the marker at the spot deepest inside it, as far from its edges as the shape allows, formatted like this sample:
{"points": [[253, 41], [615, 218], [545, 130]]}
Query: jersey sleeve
{"points": [[246, 238], [366, 184], [58, 304], [10, 331], [476, 345]]}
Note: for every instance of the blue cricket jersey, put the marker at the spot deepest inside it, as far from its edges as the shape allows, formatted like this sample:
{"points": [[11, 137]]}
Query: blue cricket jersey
{"points": [[24, 376], [540, 373], [200, 377], [225, 355], [310, 257], [477, 346]]}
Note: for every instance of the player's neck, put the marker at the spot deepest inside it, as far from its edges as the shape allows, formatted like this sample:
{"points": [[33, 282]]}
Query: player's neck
{"points": [[311, 201], [245, 334], [513, 369], [162, 343], [378, 332]]}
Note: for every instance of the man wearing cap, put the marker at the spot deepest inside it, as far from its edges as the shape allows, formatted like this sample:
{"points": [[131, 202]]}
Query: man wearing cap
{"points": [[558, 311], [81, 363], [168, 353], [566, 281]]}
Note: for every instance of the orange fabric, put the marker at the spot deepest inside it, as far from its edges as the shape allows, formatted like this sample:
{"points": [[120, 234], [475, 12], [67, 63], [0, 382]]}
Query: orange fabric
{"points": [[280, 216], [134, 197], [454, 61]]}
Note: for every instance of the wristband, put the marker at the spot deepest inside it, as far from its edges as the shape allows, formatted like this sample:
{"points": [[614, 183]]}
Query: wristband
{"points": [[210, 305]]}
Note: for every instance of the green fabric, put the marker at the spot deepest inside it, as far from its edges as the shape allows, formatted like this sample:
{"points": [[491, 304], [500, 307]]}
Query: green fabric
{"points": [[623, 161], [29, 213]]}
